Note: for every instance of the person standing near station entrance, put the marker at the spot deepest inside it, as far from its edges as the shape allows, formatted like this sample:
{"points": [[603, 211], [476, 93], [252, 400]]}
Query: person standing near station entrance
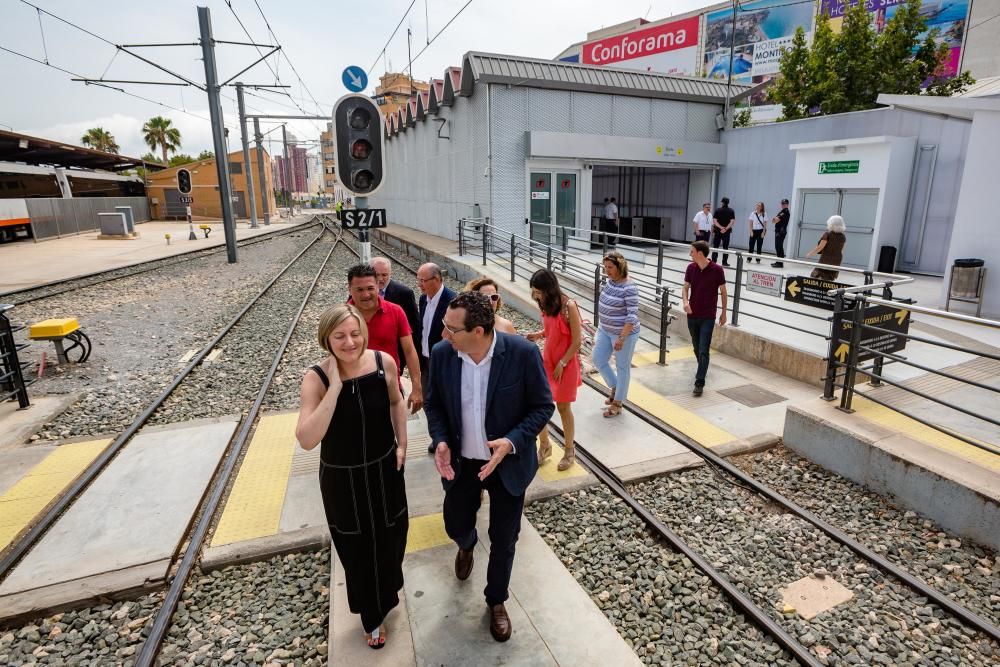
{"points": [[388, 330], [487, 400], [703, 223], [757, 222], [780, 232], [704, 281], [352, 404], [722, 227], [611, 213]]}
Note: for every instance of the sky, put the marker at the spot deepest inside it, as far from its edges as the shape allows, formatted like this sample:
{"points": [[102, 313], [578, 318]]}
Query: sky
{"points": [[319, 39]]}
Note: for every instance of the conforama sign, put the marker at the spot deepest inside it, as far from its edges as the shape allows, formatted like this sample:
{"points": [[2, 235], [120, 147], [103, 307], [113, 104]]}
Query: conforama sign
{"points": [[671, 48]]}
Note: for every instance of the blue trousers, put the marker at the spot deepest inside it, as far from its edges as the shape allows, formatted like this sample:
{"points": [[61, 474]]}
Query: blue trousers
{"points": [[701, 329], [619, 376]]}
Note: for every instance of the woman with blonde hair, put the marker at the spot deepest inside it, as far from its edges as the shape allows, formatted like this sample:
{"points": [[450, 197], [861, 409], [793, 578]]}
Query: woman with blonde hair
{"points": [[830, 248], [351, 402], [618, 310], [489, 287]]}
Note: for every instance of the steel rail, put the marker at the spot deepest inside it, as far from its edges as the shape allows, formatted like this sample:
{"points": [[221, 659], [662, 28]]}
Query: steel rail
{"points": [[965, 615], [759, 617], [147, 654], [180, 259], [21, 547]]}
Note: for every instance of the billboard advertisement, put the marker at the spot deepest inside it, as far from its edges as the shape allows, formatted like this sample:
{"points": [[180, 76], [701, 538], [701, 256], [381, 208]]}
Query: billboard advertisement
{"points": [[764, 28], [671, 48], [948, 16]]}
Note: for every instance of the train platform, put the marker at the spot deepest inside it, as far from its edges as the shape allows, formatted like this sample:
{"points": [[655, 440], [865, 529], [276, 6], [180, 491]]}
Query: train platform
{"points": [[26, 264]]}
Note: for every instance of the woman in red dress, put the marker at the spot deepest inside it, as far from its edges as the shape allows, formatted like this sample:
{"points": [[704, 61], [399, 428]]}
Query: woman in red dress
{"points": [[563, 334]]}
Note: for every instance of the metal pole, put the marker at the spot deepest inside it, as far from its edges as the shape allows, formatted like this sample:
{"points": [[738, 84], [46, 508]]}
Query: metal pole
{"points": [[287, 172], [664, 322], [659, 263], [365, 246], [548, 257], [218, 131], [736, 289], [461, 237], [852, 355], [597, 292], [513, 255], [729, 79], [247, 167], [831, 359], [259, 138], [483, 239]]}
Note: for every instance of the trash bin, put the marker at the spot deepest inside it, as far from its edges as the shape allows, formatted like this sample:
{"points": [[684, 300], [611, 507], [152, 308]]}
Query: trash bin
{"points": [[887, 259], [965, 277]]}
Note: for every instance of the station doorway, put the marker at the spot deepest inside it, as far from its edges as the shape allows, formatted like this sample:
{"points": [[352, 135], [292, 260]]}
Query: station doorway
{"points": [[653, 202], [858, 207]]}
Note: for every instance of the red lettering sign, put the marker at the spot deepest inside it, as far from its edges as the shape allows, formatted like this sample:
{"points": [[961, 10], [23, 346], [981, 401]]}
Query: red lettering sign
{"points": [[667, 37]]}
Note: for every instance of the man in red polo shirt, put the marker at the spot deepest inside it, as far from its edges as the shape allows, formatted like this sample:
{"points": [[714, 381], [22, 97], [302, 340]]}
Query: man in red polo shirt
{"points": [[704, 280], [388, 330]]}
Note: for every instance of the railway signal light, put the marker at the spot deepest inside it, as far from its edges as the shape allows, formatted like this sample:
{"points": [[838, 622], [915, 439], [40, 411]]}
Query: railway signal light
{"points": [[184, 181], [358, 132]]}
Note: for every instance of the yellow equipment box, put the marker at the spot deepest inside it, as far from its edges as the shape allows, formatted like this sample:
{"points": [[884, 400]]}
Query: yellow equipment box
{"points": [[55, 328]]}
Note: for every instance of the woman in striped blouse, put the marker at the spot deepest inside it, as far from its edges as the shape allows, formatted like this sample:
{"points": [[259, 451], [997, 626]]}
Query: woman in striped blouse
{"points": [[618, 311]]}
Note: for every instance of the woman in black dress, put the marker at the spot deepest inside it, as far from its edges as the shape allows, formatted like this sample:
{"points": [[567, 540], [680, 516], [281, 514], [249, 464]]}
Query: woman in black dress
{"points": [[352, 403]]}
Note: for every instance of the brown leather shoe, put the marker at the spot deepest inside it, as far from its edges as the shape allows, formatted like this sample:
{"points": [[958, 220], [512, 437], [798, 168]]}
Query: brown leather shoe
{"points": [[463, 564], [499, 623]]}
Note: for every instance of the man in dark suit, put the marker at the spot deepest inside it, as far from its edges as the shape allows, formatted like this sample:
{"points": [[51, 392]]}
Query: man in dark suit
{"points": [[485, 443], [396, 292], [433, 305]]}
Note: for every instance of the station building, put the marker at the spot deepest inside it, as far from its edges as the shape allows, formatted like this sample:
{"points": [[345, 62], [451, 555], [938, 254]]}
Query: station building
{"points": [[522, 140], [165, 198]]}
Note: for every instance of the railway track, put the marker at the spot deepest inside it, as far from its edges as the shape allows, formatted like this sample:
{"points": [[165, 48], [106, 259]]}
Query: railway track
{"points": [[314, 257], [665, 523], [56, 287]]}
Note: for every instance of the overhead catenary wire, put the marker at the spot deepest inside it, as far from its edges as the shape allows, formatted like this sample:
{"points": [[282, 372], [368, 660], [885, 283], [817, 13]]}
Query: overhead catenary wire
{"points": [[389, 41], [285, 55], [438, 34]]}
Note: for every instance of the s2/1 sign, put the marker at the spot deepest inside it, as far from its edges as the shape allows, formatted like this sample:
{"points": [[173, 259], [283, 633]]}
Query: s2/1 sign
{"points": [[362, 218]]}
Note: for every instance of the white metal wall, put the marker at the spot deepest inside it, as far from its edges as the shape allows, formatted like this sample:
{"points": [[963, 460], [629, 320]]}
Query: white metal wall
{"points": [[431, 182], [759, 167]]}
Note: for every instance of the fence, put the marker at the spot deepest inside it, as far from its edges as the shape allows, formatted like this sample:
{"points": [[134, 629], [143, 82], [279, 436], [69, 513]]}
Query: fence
{"points": [[55, 217]]}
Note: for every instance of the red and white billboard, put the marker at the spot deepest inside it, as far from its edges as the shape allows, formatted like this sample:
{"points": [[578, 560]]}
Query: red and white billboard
{"points": [[671, 48]]}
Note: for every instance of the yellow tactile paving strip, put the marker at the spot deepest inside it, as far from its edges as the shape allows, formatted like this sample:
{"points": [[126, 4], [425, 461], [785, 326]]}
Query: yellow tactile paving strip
{"points": [[701, 430], [674, 354], [549, 471], [426, 532], [258, 495], [32, 493], [900, 423]]}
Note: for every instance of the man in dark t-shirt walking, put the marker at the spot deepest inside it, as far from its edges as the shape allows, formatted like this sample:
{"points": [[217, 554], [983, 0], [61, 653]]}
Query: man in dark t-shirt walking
{"points": [[722, 229], [780, 232], [704, 280]]}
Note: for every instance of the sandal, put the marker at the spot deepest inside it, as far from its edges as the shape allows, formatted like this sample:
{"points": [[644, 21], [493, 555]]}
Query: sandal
{"points": [[611, 397], [569, 456], [544, 451], [614, 409], [376, 639]]}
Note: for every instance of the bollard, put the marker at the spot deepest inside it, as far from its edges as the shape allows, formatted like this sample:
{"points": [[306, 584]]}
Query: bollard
{"points": [[167, 236]]}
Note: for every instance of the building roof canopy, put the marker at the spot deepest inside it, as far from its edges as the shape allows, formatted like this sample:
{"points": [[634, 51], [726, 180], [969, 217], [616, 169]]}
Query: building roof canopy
{"points": [[15, 147], [956, 107]]}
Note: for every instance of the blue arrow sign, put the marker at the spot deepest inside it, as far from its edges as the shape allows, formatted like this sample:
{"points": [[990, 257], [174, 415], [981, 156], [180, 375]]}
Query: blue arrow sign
{"points": [[355, 79]]}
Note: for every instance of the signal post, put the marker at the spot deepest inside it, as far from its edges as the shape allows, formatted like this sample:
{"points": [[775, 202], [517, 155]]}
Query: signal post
{"points": [[184, 187], [358, 135]]}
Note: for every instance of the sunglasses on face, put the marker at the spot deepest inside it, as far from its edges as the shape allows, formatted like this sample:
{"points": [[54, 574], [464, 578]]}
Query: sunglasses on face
{"points": [[494, 297]]}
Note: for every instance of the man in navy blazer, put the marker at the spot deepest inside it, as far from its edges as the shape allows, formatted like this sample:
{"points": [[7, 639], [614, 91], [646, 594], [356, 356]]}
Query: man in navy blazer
{"points": [[396, 292], [437, 296], [486, 401]]}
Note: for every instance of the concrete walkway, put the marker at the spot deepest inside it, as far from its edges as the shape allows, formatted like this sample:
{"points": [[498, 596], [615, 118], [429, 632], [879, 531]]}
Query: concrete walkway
{"points": [[24, 264]]}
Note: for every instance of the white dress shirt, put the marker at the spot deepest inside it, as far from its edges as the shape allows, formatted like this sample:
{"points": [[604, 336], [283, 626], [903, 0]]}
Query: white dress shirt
{"points": [[475, 381], [704, 221], [432, 304]]}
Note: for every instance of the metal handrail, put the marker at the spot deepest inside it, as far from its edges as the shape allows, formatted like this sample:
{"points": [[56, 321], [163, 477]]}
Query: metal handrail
{"points": [[958, 317]]}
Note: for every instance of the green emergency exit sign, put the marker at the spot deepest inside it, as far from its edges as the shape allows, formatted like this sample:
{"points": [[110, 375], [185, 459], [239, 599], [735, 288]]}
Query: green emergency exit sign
{"points": [[840, 167]]}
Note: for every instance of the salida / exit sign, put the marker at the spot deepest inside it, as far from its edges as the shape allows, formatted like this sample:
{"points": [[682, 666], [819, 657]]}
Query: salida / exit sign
{"points": [[840, 167]]}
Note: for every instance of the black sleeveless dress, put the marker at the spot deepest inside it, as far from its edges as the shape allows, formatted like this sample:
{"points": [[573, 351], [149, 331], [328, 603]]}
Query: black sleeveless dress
{"points": [[364, 496]]}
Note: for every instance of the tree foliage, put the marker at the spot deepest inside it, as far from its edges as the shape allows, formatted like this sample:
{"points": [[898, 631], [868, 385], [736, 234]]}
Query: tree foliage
{"points": [[847, 71], [206, 155], [100, 139], [180, 158], [158, 132]]}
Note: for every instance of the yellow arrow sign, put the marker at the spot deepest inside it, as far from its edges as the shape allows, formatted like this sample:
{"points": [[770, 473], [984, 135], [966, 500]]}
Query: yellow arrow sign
{"points": [[901, 315], [793, 288], [842, 352]]}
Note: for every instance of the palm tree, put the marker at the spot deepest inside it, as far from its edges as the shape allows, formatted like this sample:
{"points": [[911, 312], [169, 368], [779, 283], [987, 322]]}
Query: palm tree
{"points": [[101, 139], [157, 132]]}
